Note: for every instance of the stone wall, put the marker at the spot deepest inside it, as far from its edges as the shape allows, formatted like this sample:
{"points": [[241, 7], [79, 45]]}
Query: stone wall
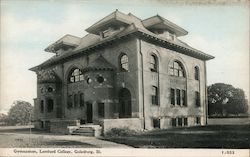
{"points": [[165, 81], [61, 126]]}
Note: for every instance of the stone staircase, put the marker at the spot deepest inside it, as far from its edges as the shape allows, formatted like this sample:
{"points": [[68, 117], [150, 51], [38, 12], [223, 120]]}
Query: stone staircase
{"points": [[84, 131], [88, 130]]}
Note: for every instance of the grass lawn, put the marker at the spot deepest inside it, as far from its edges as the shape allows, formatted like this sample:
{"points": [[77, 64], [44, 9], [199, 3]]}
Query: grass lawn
{"points": [[21, 137], [228, 136]]}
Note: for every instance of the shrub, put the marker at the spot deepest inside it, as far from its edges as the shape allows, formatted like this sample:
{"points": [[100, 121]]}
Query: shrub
{"points": [[114, 132]]}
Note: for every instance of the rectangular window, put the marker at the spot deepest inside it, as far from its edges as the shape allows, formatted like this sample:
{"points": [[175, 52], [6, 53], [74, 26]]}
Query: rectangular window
{"points": [[198, 120], [156, 123], [42, 106], [185, 122], [101, 110], [81, 100], [172, 95], [197, 99], [70, 102], [173, 122], [75, 100], [154, 95], [183, 97], [179, 121], [178, 96], [42, 124]]}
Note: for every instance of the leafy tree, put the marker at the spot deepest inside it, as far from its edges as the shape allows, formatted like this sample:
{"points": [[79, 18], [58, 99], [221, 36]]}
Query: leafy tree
{"points": [[224, 99], [3, 119], [20, 113]]}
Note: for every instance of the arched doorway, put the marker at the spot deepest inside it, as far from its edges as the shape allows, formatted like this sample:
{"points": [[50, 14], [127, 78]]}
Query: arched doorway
{"points": [[125, 110]]}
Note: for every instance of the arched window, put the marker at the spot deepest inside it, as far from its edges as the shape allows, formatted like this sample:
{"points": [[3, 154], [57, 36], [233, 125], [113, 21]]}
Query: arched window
{"points": [[153, 63], [177, 69], [75, 76], [124, 62], [196, 73]]}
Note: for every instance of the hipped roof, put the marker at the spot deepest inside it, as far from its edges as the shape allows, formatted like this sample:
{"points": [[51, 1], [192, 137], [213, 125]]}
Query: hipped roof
{"points": [[135, 27]]}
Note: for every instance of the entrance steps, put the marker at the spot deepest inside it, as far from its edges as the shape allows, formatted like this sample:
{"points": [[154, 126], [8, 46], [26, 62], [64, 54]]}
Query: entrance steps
{"points": [[88, 130]]}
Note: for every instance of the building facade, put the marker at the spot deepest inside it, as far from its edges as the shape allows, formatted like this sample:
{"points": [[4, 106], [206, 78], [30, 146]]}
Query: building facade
{"points": [[125, 73]]}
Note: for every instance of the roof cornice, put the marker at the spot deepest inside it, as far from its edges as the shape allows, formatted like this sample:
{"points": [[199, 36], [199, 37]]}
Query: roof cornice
{"points": [[146, 36]]}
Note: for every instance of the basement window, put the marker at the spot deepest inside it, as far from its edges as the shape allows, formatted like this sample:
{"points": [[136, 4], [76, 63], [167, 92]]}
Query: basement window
{"points": [[198, 120], [156, 123], [173, 122]]}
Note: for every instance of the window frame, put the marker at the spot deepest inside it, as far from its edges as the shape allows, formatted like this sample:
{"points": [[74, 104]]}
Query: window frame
{"points": [[124, 62], [198, 120], [70, 101], [197, 73], [81, 99], [155, 96], [76, 75], [172, 96], [153, 63], [50, 105], [156, 123], [197, 99], [177, 69], [42, 106]]}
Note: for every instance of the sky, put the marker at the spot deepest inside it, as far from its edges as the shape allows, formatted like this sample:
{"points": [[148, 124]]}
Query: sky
{"points": [[28, 27]]}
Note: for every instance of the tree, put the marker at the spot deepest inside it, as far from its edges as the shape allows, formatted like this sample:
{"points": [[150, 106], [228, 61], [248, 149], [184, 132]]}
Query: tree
{"points": [[224, 99], [20, 113], [3, 119]]}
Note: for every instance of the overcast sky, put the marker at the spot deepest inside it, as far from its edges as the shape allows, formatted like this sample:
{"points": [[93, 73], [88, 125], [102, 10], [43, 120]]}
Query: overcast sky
{"points": [[28, 27]]}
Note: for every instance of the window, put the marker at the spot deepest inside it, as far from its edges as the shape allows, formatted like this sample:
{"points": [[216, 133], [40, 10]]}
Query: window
{"points": [[42, 124], [176, 69], [179, 121], [50, 89], [156, 123], [154, 95], [197, 99], [70, 101], [101, 110], [100, 79], [172, 95], [89, 80], [81, 100], [196, 73], [50, 105], [76, 76], [185, 122], [198, 120], [178, 97], [183, 98], [41, 106], [173, 122], [153, 63], [124, 63], [75, 100]]}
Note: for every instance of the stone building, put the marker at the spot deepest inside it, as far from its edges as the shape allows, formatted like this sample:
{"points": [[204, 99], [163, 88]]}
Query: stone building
{"points": [[125, 73]]}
